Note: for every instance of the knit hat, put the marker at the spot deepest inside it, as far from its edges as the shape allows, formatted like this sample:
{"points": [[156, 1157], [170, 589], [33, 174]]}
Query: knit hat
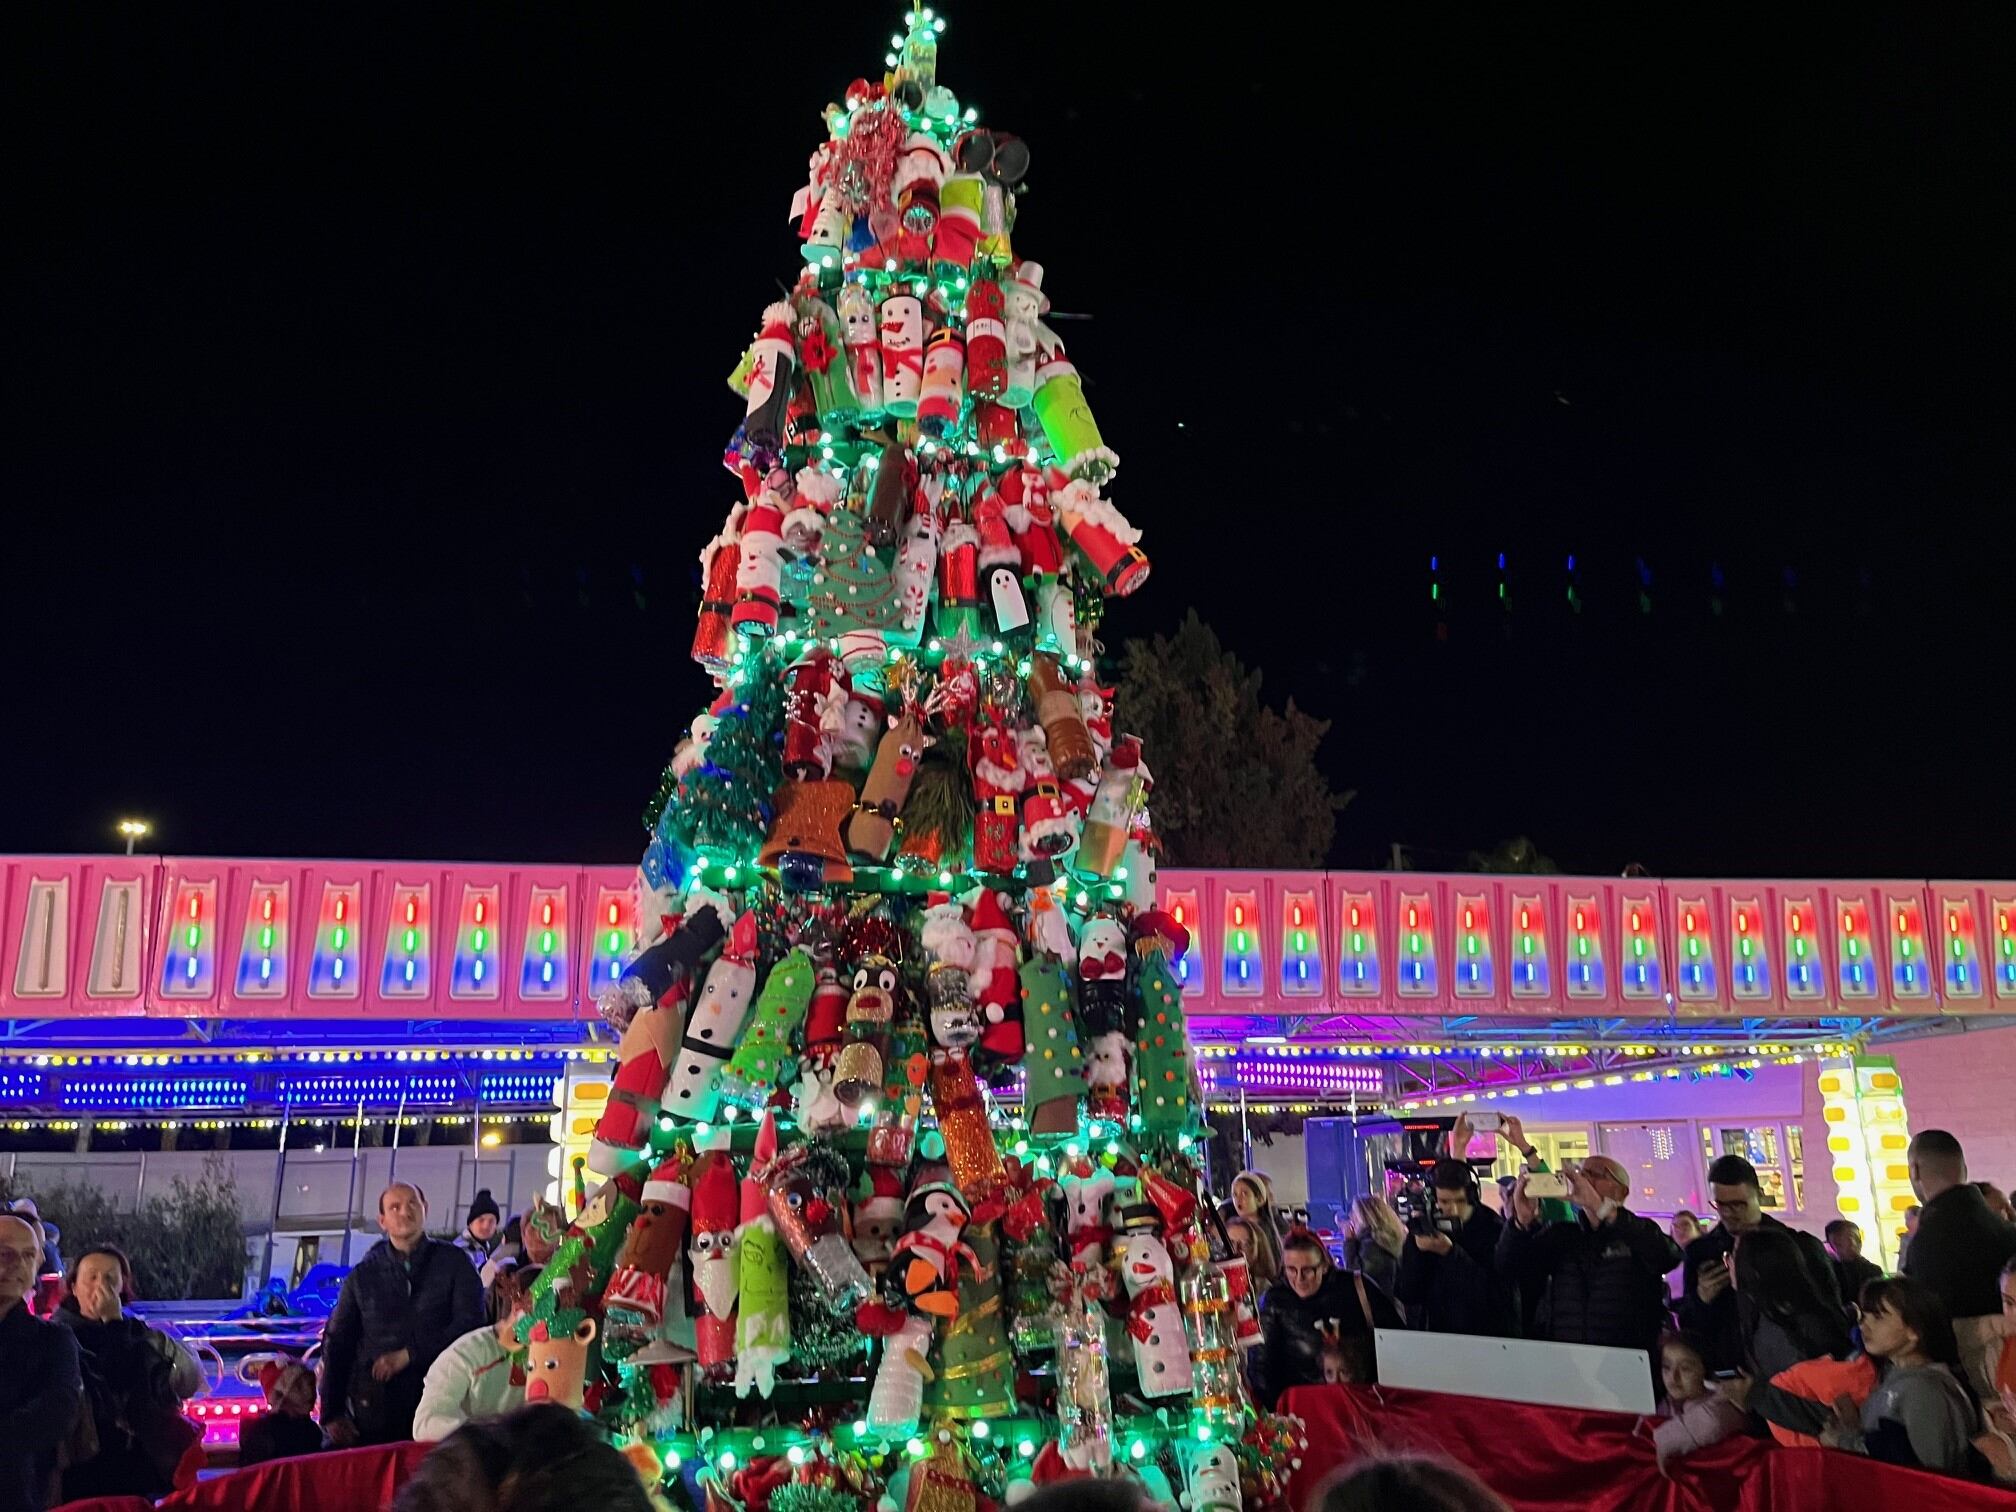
{"points": [[485, 1206]]}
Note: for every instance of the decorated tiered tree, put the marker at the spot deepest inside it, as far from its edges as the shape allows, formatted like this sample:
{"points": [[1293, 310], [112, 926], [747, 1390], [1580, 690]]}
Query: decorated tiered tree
{"points": [[905, 1075]]}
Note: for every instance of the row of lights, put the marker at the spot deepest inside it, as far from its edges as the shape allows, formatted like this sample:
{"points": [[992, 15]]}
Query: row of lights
{"points": [[1578, 1084], [71, 1125]]}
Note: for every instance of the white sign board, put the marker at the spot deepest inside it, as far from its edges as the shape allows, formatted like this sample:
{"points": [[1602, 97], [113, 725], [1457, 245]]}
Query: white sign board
{"points": [[1517, 1370]]}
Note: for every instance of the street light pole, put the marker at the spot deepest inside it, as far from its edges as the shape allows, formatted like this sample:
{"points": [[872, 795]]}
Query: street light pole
{"points": [[134, 830]]}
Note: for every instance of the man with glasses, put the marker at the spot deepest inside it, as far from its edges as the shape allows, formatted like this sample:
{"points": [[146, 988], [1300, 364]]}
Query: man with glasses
{"points": [[40, 1387], [1602, 1274], [1707, 1301], [1315, 1303]]}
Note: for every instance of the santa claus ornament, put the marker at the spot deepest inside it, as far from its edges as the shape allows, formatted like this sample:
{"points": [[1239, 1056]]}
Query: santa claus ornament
{"points": [[711, 1254], [996, 988], [634, 1301], [997, 796]]}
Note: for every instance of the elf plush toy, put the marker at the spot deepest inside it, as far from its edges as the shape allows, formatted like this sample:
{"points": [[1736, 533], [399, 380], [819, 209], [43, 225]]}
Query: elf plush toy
{"points": [[1154, 1320], [634, 1301]]}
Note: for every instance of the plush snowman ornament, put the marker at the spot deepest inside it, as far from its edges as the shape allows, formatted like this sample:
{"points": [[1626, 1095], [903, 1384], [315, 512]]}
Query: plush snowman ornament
{"points": [[1154, 1319]]}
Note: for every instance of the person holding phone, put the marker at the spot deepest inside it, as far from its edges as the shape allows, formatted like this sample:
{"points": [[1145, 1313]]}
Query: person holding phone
{"points": [[1449, 1279], [1708, 1309], [1600, 1277]]}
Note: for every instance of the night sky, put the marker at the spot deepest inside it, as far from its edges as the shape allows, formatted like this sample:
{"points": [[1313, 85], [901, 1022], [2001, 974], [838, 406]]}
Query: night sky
{"points": [[364, 402]]}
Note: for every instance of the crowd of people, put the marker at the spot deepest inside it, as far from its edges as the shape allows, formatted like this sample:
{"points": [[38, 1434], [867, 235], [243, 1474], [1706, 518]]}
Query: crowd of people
{"points": [[91, 1404], [1772, 1329]]}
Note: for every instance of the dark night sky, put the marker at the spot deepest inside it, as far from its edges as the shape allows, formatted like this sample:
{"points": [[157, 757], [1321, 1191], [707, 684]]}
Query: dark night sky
{"points": [[363, 405]]}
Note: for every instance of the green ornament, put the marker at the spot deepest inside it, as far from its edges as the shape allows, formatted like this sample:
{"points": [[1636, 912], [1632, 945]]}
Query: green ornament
{"points": [[1164, 1082], [751, 1073]]}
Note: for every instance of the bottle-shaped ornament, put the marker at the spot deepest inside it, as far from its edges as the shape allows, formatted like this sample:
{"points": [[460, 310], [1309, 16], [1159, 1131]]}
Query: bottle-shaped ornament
{"points": [[902, 332], [1084, 1387], [772, 375], [1217, 1394], [863, 340], [713, 634], [1112, 812], [870, 1011], [823, 351], [1024, 303], [1065, 415], [812, 685], [960, 199], [944, 388]]}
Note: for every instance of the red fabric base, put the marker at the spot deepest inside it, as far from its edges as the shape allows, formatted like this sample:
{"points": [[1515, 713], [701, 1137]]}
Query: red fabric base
{"points": [[343, 1480], [1546, 1459]]}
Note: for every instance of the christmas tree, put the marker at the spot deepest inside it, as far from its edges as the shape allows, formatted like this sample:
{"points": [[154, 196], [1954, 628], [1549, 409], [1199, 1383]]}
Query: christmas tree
{"points": [[901, 1012]]}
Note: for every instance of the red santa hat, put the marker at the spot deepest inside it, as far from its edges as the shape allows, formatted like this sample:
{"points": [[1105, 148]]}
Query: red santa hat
{"points": [[1047, 1469], [1158, 927], [741, 946], [667, 1183], [885, 1195], [990, 918]]}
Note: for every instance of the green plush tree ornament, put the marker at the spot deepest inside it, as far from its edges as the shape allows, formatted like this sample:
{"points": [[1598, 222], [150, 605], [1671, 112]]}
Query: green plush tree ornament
{"points": [[1164, 1079], [752, 1071], [1054, 1063]]}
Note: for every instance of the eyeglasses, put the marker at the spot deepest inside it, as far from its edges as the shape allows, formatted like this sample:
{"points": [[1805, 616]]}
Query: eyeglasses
{"points": [[1303, 1272]]}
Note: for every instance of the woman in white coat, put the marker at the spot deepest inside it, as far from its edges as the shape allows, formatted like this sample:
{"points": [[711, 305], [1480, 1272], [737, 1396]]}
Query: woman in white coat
{"points": [[478, 1376]]}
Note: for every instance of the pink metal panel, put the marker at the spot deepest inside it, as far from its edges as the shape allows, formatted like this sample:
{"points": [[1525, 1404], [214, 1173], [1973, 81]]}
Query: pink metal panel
{"points": [[1642, 976], [1914, 963], [544, 979], [603, 943], [1860, 946], [1418, 927], [2001, 926], [1749, 913], [56, 910], [1806, 976], [1358, 905], [1958, 934], [1700, 946], [1182, 893], [1530, 922], [1589, 945], [1297, 934], [1477, 940]]}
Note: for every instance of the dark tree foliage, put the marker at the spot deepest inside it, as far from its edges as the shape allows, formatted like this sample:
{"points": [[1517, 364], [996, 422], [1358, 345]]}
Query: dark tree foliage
{"points": [[1236, 782]]}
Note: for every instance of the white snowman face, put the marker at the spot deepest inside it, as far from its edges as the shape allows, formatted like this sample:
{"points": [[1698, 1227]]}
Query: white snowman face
{"points": [[1022, 302], [902, 323], [1102, 936], [726, 993]]}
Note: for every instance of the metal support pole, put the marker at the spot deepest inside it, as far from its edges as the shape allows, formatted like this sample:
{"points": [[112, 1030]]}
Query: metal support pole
{"points": [[1245, 1132], [350, 1203], [279, 1184]]}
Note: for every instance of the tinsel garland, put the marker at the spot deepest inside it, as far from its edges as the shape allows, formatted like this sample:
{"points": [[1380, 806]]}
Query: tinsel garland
{"points": [[820, 1336], [938, 816], [801, 1498]]}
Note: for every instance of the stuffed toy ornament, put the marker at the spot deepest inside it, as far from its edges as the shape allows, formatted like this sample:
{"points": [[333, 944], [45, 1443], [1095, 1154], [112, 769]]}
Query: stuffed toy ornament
{"points": [[950, 944], [763, 1326], [1024, 301], [943, 393], [752, 1071], [714, 1026], [720, 560], [878, 1218], [916, 568], [642, 1057], [1164, 1077], [993, 982], [822, 347], [870, 1012], [932, 1247], [1086, 1188], [634, 1302], [1049, 828], [986, 337], [1211, 1477], [759, 568], [1102, 976], [711, 1260], [668, 965], [804, 844], [1154, 1319], [1111, 815], [871, 832]]}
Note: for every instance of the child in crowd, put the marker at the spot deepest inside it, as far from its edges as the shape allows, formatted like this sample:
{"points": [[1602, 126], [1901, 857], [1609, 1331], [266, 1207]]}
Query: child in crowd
{"points": [[1696, 1414], [287, 1428]]}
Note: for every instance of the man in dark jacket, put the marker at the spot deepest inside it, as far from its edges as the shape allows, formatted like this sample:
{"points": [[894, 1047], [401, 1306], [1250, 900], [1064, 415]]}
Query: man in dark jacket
{"points": [[1603, 1273], [1961, 1246], [409, 1299], [40, 1386], [1449, 1279], [1313, 1298], [1852, 1269], [1708, 1310]]}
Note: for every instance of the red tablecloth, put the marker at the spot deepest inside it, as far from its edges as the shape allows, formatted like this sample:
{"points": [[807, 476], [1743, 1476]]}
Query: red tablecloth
{"points": [[1547, 1459], [343, 1480]]}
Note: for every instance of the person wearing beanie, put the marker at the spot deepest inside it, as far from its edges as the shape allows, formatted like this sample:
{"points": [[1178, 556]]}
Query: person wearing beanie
{"points": [[479, 1235]]}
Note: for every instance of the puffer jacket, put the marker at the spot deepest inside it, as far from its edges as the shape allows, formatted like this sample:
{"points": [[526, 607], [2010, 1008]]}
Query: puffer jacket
{"points": [[387, 1305], [1600, 1284]]}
